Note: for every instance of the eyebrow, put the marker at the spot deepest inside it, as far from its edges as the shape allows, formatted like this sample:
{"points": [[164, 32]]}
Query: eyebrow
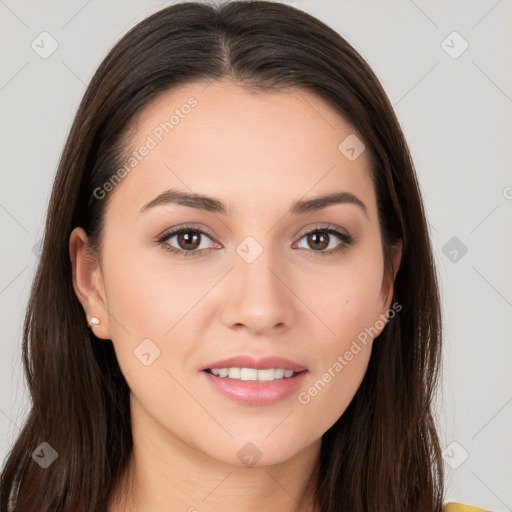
{"points": [[214, 205]]}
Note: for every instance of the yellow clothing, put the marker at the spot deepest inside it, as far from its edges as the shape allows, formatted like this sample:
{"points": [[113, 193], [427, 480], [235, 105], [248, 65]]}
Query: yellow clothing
{"points": [[459, 507]]}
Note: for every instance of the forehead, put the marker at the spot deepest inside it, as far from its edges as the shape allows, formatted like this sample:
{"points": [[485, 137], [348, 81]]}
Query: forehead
{"points": [[262, 148]]}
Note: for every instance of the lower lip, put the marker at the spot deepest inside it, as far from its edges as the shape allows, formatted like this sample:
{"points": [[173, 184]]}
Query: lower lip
{"points": [[253, 392]]}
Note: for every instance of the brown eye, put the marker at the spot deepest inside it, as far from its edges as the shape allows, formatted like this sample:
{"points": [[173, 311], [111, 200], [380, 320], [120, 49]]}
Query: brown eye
{"points": [[318, 240], [189, 241], [322, 238]]}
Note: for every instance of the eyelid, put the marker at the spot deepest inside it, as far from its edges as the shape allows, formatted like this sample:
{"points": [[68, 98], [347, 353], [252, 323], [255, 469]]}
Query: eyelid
{"points": [[173, 231], [325, 226]]}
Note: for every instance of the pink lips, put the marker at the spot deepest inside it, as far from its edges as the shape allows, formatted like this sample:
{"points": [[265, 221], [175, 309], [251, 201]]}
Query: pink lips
{"points": [[256, 392]]}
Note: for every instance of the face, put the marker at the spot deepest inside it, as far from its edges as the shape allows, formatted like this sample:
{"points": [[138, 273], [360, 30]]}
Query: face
{"points": [[248, 275]]}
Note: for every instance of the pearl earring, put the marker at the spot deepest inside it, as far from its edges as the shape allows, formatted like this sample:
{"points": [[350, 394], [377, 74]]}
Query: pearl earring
{"points": [[93, 321]]}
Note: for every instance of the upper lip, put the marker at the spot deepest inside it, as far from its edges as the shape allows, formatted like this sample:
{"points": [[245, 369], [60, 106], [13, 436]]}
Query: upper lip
{"points": [[260, 363]]}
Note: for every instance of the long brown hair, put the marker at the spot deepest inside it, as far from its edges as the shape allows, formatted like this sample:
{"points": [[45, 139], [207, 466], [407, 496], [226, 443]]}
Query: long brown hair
{"points": [[383, 454]]}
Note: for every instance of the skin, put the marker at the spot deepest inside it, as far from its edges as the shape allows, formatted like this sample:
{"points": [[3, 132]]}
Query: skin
{"points": [[258, 153]]}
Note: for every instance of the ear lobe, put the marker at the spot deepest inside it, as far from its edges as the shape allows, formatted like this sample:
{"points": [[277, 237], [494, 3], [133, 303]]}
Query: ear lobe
{"points": [[88, 281]]}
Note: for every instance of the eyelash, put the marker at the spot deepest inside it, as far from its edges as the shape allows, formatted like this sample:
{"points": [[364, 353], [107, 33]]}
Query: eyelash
{"points": [[345, 238]]}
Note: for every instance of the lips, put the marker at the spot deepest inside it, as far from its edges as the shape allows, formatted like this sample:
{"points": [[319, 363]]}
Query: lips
{"points": [[254, 393], [260, 363]]}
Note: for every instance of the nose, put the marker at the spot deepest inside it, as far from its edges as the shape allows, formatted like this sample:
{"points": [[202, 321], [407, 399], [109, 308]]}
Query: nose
{"points": [[259, 296]]}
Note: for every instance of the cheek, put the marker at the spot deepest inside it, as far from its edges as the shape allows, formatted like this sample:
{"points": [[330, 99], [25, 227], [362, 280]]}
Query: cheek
{"points": [[154, 309], [330, 390], [342, 352], [345, 297], [348, 306], [146, 298]]}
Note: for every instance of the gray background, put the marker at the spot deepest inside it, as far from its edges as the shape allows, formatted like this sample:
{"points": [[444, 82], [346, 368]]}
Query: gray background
{"points": [[456, 114]]}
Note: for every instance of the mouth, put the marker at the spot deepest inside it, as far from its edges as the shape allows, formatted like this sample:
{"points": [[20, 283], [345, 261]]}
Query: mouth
{"points": [[256, 382], [246, 365], [253, 374]]}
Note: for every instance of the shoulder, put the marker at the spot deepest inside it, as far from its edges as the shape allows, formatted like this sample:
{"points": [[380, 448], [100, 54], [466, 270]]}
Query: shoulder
{"points": [[460, 507]]}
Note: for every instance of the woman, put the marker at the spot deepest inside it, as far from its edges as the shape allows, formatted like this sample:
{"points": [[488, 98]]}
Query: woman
{"points": [[236, 304]]}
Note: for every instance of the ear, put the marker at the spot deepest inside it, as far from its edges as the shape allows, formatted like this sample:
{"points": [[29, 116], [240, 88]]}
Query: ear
{"points": [[88, 282], [396, 258]]}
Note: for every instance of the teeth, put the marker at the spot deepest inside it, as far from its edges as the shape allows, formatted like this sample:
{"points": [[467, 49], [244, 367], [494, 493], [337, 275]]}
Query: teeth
{"points": [[266, 375], [249, 374], [234, 373], [278, 374]]}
